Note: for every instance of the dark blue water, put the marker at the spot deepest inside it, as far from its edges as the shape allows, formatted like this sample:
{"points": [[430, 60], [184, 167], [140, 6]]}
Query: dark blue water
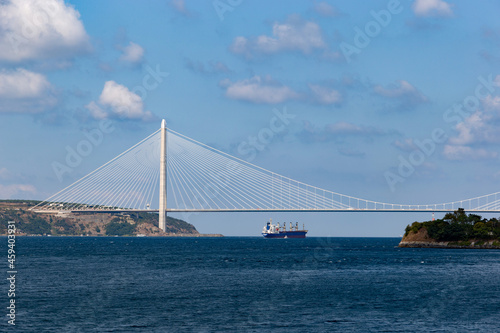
{"points": [[84, 284]]}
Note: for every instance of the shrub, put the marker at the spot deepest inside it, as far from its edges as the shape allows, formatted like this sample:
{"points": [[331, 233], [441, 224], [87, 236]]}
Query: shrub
{"points": [[114, 228], [37, 226]]}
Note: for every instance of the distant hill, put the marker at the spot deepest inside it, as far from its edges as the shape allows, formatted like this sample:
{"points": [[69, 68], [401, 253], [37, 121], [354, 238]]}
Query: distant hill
{"points": [[455, 230], [89, 224]]}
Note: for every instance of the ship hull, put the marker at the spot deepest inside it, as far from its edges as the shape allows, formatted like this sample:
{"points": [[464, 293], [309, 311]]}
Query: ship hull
{"points": [[286, 234]]}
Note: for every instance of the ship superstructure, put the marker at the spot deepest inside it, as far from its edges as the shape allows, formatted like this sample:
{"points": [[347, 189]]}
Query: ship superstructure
{"points": [[271, 230]]}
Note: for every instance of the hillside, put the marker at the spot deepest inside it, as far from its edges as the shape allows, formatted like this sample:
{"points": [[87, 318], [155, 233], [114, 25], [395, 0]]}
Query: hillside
{"points": [[89, 224], [455, 230]]}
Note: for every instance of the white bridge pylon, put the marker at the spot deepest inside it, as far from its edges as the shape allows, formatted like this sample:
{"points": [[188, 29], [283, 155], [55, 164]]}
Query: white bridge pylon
{"points": [[200, 178]]}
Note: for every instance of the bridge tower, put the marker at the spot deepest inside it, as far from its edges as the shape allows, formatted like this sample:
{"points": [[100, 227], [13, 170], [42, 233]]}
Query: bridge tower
{"points": [[163, 175]]}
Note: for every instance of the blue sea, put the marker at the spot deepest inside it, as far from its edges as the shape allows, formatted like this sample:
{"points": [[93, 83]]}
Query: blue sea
{"points": [[233, 284]]}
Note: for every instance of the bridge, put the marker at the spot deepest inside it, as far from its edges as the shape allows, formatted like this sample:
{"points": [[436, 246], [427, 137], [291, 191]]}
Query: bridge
{"points": [[170, 172]]}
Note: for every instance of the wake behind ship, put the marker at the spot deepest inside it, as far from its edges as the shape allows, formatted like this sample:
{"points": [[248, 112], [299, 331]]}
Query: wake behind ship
{"points": [[275, 231]]}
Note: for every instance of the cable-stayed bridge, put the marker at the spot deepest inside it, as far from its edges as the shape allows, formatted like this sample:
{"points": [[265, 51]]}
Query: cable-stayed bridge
{"points": [[170, 172]]}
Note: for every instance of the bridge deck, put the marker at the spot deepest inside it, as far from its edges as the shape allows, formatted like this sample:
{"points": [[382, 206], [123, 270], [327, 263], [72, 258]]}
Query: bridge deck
{"points": [[353, 210]]}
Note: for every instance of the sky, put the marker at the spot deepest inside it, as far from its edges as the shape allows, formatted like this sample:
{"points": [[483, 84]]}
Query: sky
{"points": [[392, 101]]}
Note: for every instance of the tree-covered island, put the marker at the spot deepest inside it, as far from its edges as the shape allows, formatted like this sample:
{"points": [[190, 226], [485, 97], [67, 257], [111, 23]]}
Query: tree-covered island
{"points": [[454, 230]]}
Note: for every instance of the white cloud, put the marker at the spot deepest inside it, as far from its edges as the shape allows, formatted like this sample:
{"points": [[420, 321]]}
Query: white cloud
{"points": [[405, 145], [401, 89], [31, 29], [5, 174], [345, 128], [325, 9], [266, 90], [339, 131], [118, 101], [96, 111], [481, 126], [208, 69], [14, 191], [259, 90], [22, 83], [132, 53], [25, 92], [432, 8], [293, 35], [180, 6], [404, 92], [453, 152], [219, 67], [492, 103], [324, 95], [469, 129]]}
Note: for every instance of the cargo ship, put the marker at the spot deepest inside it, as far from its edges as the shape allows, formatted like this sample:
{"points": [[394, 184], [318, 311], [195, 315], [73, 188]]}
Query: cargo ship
{"points": [[271, 230]]}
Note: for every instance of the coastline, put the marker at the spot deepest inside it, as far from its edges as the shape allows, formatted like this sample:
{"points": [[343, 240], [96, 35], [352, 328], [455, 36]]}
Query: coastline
{"points": [[421, 239], [138, 235], [450, 245], [140, 224]]}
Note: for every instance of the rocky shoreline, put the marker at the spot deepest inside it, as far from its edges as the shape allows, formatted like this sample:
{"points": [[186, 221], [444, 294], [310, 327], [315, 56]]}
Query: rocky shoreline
{"points": [[421, 239], [450, 245]]}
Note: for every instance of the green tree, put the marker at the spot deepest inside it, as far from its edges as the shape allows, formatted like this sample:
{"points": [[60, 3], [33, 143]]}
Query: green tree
{"points": [[473, 218], [114, 228], [457, 216], [481, 231], [37, 226]]}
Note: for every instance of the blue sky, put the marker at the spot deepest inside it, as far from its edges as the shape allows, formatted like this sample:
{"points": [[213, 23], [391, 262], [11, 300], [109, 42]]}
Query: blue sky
{"points": [[371, 86]]}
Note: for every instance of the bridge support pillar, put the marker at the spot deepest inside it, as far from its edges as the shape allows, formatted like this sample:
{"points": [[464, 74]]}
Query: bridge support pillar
{"points": [[163, 175]]}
